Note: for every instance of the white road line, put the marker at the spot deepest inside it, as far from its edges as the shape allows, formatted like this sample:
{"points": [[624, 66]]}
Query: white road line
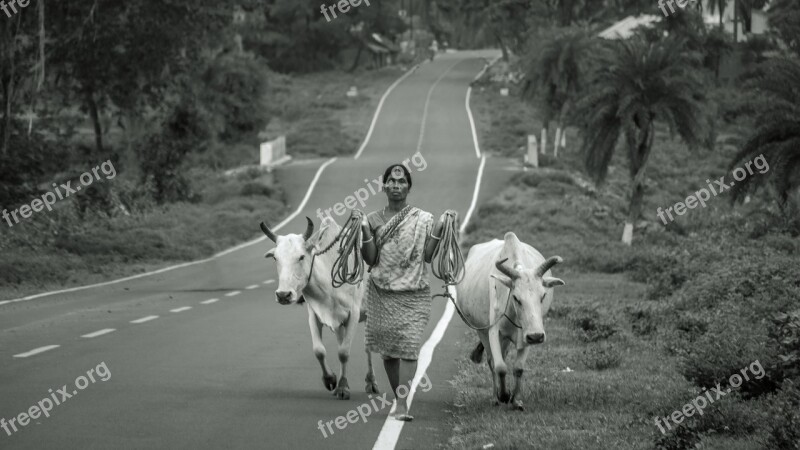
{"points": [[380, 106], [269, 281], [144, 319], [4, 302], [472, 124], [251, 287], [181, 309], [232, 294], [36, 351], [428, 103], [99, 333], [390, 432], [210, 301]]}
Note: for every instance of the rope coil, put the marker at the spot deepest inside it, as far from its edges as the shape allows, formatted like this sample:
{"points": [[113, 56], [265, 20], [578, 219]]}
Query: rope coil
{"points": [[350, 239]]}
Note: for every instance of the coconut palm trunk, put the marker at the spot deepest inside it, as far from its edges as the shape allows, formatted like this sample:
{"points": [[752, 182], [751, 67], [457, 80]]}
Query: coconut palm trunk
{"points": [[639, 148]]}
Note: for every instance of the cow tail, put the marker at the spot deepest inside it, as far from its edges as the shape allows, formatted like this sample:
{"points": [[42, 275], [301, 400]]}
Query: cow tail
{"points": [[477, 355]]}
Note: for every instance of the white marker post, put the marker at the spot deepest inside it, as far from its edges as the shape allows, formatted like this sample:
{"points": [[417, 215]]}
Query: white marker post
{"points": [[533, 151]]}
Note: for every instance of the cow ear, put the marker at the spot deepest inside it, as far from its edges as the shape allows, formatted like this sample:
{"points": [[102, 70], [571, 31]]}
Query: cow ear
{"points": [[504, 280], [270, 253], [550, 282]]}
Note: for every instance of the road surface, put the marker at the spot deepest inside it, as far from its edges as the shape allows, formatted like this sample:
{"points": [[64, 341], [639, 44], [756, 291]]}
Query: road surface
{"points": [[202, 356]]}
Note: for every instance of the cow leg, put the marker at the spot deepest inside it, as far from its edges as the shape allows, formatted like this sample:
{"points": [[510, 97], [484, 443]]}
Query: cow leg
{"points": [[500, 369], [484, 338], [372, 387], [328, 377], [344, 335], [519, 367]]}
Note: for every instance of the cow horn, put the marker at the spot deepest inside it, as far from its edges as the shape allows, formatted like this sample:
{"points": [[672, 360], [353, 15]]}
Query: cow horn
{"points": [[547, 265], [309, 229], [507, 271], [268, 232]]}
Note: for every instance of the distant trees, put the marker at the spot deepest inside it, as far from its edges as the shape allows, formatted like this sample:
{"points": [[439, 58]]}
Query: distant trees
{"points": [[554, 76]]}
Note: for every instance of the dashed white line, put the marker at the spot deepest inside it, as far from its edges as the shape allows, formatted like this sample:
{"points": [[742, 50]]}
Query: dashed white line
{"points": [[269, 281], [234, 293], [144, 319], [210, 301], [4, 302], [36, 351], [99, 333], [181, 309], [251, 287]]}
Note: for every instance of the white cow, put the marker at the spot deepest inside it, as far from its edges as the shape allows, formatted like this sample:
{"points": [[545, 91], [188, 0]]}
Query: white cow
{"points": [[337, 308], [512, 278]]}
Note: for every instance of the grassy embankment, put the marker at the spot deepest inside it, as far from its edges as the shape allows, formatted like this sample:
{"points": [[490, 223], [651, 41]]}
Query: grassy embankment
{"points": [[66, 248], [640, 328]]}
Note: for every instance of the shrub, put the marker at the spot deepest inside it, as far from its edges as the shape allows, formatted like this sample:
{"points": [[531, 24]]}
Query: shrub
{"points": [[254, 188], [785, 415], [686, 436], [643, 321], [601, 357], [731, 344], [593, 327]]}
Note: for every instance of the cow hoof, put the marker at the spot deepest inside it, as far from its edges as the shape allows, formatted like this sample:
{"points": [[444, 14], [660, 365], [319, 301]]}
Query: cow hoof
{"points": [[495, 403], [372, 388], [342, 391], [517, 406], [329, 381], [504, 397]]}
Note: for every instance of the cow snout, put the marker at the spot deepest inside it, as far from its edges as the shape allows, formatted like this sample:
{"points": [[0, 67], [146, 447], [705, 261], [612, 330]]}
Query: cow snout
{"points": [[534, 338], [283, 297]]}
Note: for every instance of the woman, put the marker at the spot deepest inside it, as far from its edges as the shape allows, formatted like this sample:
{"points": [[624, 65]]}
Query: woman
{"points": [[398, 240]]}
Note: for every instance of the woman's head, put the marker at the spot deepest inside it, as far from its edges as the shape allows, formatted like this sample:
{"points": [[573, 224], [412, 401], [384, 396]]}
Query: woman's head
{"points": [[396, 182]]}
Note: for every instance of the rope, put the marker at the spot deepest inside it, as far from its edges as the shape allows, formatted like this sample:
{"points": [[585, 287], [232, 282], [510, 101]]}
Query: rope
{"points": [[350, 239], [447, 265]]}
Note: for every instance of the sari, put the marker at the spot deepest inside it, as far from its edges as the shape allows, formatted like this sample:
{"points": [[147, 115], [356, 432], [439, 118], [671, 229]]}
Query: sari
{"points": [[398, 291]]}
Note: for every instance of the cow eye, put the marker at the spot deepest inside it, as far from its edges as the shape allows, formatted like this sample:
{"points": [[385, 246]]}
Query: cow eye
{"points": [[516, 299], [542, 300], [302, 257]]}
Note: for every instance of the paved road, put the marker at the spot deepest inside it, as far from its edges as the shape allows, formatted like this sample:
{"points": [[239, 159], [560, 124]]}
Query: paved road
{"points": [[238, 372]]}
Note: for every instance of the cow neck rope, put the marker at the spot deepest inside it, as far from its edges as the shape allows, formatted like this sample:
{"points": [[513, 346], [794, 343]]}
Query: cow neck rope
{"points": [[448, 265]]}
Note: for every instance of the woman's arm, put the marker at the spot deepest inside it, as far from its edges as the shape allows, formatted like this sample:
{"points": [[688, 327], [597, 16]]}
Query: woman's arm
{"points": [[430, 243], [368, 249]]}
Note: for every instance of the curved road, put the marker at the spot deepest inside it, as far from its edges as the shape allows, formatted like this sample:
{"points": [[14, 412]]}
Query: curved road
{"points": [[221, 369]]}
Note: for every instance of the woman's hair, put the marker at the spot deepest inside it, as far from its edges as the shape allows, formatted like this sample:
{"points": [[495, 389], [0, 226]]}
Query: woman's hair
{"points": [[388, 173]]}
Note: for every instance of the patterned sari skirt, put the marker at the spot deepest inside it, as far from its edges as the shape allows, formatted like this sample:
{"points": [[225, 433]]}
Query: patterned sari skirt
{"points": [[396, 321]]}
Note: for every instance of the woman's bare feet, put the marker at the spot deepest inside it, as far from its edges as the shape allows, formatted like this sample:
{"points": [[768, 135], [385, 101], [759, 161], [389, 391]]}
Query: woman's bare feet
{"points": [[401, 412]]}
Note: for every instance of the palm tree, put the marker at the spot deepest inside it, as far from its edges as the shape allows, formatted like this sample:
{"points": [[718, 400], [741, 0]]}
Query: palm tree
{"points": [[777, 134], [554, 77], [635, 83]]}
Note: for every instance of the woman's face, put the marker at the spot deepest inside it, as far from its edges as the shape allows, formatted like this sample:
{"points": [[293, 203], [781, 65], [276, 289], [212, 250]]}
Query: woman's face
{"points": [[396, 186]]}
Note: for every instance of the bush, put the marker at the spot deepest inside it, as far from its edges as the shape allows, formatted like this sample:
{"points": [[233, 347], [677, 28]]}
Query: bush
{"points": [[254, 188], [685, 437], [601, 357], [732, 343], [593, 327], [784, 432]]}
